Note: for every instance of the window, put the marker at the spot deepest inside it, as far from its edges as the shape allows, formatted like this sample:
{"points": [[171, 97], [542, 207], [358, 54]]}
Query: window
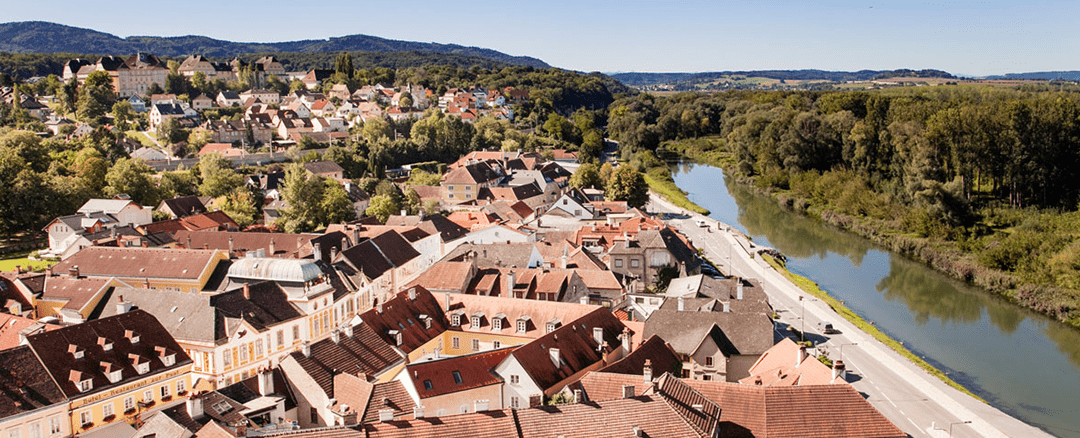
{"points": [[514, 402], [496, 324], [147, 396], [475, 321], [168, 359], [181, 387], [496, 345], [296, 333], [427, 385], [86, 418], [243, 354], [634, 263], [455, 342], [457, 377], [708, 361], [464, 409], [455, 320], [618, 263], [107, 410], [475, 345], [258, 348], [706, 377], [514, 379], [35, 430], [281, 336], [143, 367], [129, 403], [522, 325], [13, 433], [164, 391], [314, 416], [227, 359], [54, 425]]}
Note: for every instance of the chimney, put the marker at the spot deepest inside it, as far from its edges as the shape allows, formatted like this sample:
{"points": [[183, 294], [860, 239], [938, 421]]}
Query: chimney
{"points": [[646, 371], [510, 284], [682, 304], [447, 309], [598, 335], [800, 355], [305, 348], [738, 288], [316, 250], [386, 415], [628, 391], [348, 330], [344, 243], [247, 292], [231, 249], [638, 431], [555, 359], [333, 252], [627, 344], [412, 294], [418, 411], [188, 246], [579, 396], [195, 407], [266, 382], [727, 307], [562, 262], [481, 405], [241, 431], [122, 306], [682, 269], [839, 372], [757, 380], [356, 235], [335, 336], [73, 271], [378, 308]]}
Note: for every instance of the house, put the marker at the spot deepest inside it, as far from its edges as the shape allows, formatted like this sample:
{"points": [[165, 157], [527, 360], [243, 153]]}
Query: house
{"points": [[267, 97], [95, 216], [325, 169], [359, 401], [224, 149], [201, 102], [161, 112], [576, 204], [643, 255], [497, 234], [739, 295], [243, 131], [55, 124], [380, 265], [311, 371], [340, 91], [182, 206], [31, 402], [455, 385], [322, 108], [315, 77], [230, 335], [227, 99], [214, 220], [463, 184], [112, 368], [788, 364], [495, 255], [186, 270], [16, 328], [72, 299], [713, 345], [149, 154]]}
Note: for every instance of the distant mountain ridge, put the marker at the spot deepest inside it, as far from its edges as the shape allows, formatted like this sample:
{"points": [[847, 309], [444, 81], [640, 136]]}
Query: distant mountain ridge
{"points": [[642, 79], [46, 37], [1068, 75]]}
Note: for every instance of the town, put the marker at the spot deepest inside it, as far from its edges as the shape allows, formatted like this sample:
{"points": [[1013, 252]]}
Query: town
{"points": [[283, 287]]}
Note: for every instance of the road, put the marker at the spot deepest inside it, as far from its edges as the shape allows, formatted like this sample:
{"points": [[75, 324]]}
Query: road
{"points": [[917, 402]]}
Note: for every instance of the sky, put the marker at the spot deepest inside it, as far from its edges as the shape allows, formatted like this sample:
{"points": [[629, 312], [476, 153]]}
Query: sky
{"points": [[972, 38]]}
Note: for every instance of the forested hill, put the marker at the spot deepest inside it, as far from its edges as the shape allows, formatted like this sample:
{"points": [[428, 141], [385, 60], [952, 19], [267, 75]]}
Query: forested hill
{"points": [[1072, 75], [45, 37], [642, 79]]}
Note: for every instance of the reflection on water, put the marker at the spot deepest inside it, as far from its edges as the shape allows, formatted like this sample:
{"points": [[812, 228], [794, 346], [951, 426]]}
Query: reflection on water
{"points": [[1024, 363]]}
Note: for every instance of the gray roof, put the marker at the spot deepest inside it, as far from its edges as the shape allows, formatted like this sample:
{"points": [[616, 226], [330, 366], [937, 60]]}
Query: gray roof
{"points": [[736, 333], [186, 316], [79, 222], [496, 254], [275, 269], [111, 206]]}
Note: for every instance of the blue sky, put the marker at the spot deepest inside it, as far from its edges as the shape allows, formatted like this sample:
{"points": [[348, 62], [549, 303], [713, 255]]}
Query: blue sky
{"points": [[963, 37]]}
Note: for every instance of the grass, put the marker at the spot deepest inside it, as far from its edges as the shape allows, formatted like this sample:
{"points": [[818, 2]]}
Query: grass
{"points": [[10, 264], [141, 138], [673, 194], [812, 288]]}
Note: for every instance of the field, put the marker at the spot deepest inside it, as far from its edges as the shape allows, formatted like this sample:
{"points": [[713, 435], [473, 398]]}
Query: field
{"points": [[10, 264]]}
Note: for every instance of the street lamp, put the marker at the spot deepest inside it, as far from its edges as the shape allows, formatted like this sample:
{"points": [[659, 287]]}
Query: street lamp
{"points": [[958, 422], [802, 318], [842, 348]]}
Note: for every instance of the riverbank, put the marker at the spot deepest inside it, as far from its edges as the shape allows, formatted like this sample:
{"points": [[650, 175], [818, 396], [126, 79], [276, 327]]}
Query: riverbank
{"points": [[945, 257], [841, 309]]}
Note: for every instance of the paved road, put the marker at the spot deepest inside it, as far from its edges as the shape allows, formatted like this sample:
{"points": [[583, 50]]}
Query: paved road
{"points": [[918, 403]]}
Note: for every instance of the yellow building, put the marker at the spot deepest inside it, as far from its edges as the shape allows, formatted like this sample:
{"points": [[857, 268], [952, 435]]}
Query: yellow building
{"points": [[72, 299], [113, 369]]}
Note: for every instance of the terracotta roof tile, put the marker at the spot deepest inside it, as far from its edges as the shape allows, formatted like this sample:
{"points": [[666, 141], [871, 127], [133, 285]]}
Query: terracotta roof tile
{"points": [[364, 352], [100, 261], [611, 418], [402, 314], [25, 384], [655, 350], [454, 374], [490, 424]]}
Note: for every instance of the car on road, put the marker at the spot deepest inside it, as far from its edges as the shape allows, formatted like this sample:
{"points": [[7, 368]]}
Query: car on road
{"points": [[701, 223], [826, 327]]}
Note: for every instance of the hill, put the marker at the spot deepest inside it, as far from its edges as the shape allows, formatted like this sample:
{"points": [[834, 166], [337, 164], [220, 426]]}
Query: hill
{"points": [[45, 37], [680, 80], [1072, 75]]}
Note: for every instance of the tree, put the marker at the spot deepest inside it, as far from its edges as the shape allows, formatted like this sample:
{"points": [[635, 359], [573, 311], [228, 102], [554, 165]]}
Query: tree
{"points": [[419, 177], [627, 184], [301, 192], [382, 207], [335, 206], [123, 114], [176, 83], [171, 132], [586, 176], [217, 176], [239, 204], [134, 178], [90, 169], [605, 172], [180, 182], [95, 98]]}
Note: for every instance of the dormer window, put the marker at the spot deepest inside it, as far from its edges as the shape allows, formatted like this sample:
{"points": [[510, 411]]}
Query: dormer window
{"points": [[131, 336], [167, 357], [496, 322], [455, 319], [141, 364], [112, 372], [523, 324], [553, 324], [476, 319], [105, 344], [396, 335], [75, 351], [86, 385], [83, 382]]}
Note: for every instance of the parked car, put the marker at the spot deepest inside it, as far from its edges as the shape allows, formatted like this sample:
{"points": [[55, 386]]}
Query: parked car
{"points": [[701, 223], [826, 327]]}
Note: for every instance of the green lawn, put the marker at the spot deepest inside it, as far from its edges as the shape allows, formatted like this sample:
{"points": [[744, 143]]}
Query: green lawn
{"points": [[10, 264], [141, 138]]}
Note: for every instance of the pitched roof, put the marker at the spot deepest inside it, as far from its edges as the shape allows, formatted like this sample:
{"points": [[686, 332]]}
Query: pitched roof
{"points": [[611, 418], [76, 293], [25, 384], [12, 327], [576, 346], [109, 206], [321, 167], [446, 275], [285, 245], [401, 314], [432, 224], [654, 350], [476, 173], [490, 424], [364, 352], [785, 364], [123, 262], [184, 205], [379, 254], [536, 313], [736, 333], [600, 385], [489, 255], [454, 374], [55, 350]]}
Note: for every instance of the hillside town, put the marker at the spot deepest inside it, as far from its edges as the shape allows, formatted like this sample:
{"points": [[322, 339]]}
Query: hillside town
{"points": [[499, 297]]}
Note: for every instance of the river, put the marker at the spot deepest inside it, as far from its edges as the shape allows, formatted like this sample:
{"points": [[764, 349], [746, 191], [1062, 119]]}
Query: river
{"points": [[1023, 363]]}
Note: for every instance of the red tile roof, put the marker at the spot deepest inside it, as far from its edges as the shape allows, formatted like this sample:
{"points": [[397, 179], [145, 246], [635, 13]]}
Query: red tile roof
{"points": [[101, 261], [538, 313], [660, 357], [454, 374], [785, 364], [612, 418], [577, 349], [77, 292], [11, 325], [600, 386], [364, 351], [446, 275], [490, 424], [402, 314]]}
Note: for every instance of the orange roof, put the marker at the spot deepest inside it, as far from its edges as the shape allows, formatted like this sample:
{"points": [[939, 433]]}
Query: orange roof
{"points": [[76, 292], [510, 310], [444, 376], [11, 325], [446, 275], [785, 364], [472, 219]]}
